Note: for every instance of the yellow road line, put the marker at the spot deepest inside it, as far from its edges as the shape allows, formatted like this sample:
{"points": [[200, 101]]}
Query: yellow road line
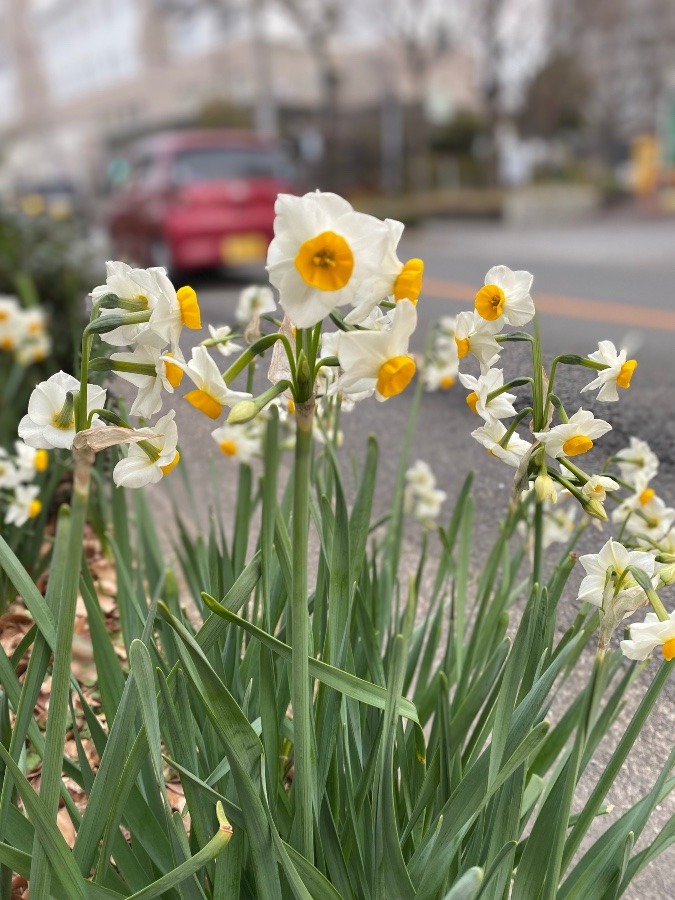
{"points": [[605, 311]]}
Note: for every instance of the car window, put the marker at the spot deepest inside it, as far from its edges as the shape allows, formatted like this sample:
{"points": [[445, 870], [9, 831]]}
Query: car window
{"points": [[222, 163], [142, 169]]}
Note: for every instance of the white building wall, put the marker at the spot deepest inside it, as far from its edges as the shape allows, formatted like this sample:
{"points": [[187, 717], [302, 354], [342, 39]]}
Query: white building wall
{"points": [[86, 45]]}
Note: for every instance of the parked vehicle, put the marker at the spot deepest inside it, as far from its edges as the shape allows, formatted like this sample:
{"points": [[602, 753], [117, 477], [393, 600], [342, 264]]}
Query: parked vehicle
{"points": [[58, 199], [197, 199]]}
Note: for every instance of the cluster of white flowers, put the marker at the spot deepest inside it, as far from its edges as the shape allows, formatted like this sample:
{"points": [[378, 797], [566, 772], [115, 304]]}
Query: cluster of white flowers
{"points": [[421, 498], [647, 542], [139, 309], [19, 496], [325, 256], [441, 362], [23, 332], [505, 300], [646, 524]]}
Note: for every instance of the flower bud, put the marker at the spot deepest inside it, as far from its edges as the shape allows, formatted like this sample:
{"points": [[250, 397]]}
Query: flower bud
{"points": [[545, 489], [242, 412], [667, 575], [665, 558], [596, 509]]}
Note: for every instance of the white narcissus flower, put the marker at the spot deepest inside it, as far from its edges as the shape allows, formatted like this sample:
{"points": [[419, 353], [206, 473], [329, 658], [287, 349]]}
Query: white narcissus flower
{"points": [[402, 281], [618, 373], [34, 342], [440, 377], [254, 301], [505, 297], [212, 394], [322, 253], [238, 442], [604, 569], [420, 475], [559, 523], [47, 424], [477, 336], [597, 486], [33, 322], [23, 506], [141, 467], [10, 323], [441, 364], [222, 338], [379, 360], [641, 498], [479, 402], [421, 498], [490, 435], [28, 461], [637, 461], [574, 437], [646, 636], [33, 350], [175, 310], [652, 519], [167, 375], [10, 475], [140, 286]]}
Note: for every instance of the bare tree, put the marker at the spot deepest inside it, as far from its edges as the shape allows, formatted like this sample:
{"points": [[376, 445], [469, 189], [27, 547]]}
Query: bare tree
{"points": [[265, 107], [419, 33], [317, 22], [626, 48]]}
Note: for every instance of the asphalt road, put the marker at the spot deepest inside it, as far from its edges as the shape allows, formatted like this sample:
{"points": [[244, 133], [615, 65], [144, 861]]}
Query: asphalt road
{"points": [[606, 279]]}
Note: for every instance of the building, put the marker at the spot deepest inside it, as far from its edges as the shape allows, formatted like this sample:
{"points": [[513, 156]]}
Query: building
{"points": [[80, 76]]}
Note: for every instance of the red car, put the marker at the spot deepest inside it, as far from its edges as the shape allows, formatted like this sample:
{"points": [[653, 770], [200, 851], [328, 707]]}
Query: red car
{"points": [[197, 199]]}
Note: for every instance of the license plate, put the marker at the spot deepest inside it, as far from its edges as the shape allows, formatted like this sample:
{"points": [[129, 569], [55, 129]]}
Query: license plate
{"points": [[242, 249]]}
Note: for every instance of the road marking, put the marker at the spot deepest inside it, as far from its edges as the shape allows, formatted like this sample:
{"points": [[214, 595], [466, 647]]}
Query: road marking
{"points": [[605, 311]]}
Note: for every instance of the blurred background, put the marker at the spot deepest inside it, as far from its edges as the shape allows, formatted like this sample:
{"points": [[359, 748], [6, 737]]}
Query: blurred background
{"points": [[535, 133], [415, 107]]}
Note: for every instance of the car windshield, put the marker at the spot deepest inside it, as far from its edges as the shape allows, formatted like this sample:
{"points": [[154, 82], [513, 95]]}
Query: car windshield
{"points": [[222, 163]]}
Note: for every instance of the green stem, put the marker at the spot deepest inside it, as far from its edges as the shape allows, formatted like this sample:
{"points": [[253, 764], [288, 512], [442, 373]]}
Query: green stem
{"points": [[557, 402], [517, 382], [81, 409], [249, 355], [573, 489], [508, 434], [657, 606], [513, 336], [538, 399], [118, 365], [538, 561], [315, 341], [300, 631], [108, 416], [575, 470]]}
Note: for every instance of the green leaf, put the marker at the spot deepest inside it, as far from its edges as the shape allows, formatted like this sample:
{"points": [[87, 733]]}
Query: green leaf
{"points": [[614, 764], [471, 795], [318, 886], [243, 750], [32, 597], [466, 887], [58, 853], [187, 869], [391, 873], [338, 679]]}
